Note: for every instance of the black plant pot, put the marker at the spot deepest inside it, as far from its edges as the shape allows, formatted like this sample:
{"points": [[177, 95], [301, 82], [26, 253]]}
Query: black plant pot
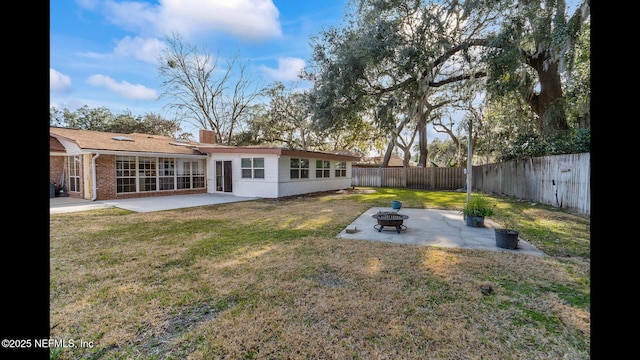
{"points": [[507, 238], [475, 221]]}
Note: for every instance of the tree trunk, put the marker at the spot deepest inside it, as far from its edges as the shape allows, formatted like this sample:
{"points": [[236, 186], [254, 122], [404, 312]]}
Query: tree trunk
{"points": [[548, 103], [422, 140], [387, 154], [303, 138]]}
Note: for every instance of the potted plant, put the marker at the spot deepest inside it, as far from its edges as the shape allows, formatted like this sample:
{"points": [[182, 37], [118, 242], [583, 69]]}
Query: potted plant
{"points": [[476, 209], [507, 237]]}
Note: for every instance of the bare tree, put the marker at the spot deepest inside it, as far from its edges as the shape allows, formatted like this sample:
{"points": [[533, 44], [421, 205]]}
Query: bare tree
{"points": [[203, 92]]}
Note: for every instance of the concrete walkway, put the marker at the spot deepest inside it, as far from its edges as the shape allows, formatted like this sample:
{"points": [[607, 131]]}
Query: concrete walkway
{"points": [[60, 205], [445, 228]]}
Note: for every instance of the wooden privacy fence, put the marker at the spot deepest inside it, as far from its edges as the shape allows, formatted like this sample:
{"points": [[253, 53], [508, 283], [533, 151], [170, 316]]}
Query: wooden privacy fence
{"points": [[430, 178], [563, 181]]}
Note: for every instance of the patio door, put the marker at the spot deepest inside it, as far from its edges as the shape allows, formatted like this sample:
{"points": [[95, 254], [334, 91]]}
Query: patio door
{"points": [[224, 180]]}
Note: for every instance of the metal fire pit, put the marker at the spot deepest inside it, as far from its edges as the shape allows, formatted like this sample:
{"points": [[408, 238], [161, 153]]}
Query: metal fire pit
{"points": [[390, 218]]}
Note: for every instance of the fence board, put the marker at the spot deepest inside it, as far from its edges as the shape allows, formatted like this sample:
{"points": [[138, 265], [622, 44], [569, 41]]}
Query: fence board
{"points": [[430, 178], [563, 181]]}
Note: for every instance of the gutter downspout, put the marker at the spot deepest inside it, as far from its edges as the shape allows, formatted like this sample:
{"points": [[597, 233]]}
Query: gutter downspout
{"points": [[94, 185]]}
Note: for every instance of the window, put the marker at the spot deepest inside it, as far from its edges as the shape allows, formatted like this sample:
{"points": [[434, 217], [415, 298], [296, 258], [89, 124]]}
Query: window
{"points": [[147, 174], [252, 168], [74, 173], [341, 169], [197, 177], [135, 174], [125, 174], [323, 168], [190, 174], [299, 168], [184, 174], [166, 173]]}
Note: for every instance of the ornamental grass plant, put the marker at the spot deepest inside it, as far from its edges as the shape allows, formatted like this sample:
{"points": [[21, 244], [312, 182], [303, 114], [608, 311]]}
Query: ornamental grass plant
{"points": [[479, 206]]}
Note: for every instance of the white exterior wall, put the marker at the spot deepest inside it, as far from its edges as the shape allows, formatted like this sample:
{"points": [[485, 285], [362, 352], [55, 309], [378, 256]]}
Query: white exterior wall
{"points": [[266, 188], [277, 181], [288, 186]]}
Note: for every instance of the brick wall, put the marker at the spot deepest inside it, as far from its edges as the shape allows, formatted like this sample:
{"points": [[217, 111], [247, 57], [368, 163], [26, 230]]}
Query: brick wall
{"points": [[56, 166], [106, 176], [207, 136]]}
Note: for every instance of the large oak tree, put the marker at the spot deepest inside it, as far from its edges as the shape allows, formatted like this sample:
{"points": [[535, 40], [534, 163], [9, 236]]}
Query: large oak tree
{"points": [[532, 52], [400, 57], [408, 57]]}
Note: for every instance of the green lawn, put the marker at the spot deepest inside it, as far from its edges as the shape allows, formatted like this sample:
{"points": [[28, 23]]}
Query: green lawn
{"points": [[268, 279]]}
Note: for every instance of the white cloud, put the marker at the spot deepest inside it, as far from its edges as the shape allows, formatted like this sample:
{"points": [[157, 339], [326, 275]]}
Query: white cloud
{"points": [[124, 88], [133, 16], [251, 20], [88, 4], [93, 55], [288, 69], [58, 82], [139, 48], [69, 104]]}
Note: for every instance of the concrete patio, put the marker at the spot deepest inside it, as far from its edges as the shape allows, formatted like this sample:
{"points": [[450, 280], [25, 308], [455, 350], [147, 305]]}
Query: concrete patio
{"points": [[445, 228]]}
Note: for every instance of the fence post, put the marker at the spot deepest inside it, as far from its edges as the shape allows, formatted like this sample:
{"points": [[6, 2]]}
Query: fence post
{"points": [[403, 178]]}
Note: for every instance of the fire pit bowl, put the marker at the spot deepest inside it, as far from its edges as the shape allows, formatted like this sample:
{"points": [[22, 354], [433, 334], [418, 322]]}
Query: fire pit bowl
{"points": [[389, 218]]}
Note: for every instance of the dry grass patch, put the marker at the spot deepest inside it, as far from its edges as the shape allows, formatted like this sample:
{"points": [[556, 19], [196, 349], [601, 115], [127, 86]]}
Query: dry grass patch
{"points": [[268, 280]]}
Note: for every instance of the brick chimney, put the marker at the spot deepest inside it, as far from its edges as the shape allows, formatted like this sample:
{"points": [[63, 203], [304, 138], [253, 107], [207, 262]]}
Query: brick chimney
{"points": [[207, 136]]}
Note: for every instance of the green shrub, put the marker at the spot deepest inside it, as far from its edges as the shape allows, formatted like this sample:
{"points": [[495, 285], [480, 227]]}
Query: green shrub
{"points": [[524, 146], [478, 205]]}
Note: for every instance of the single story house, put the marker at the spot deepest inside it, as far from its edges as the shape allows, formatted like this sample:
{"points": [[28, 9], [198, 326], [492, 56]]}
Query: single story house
{"points": [[102, 166]]}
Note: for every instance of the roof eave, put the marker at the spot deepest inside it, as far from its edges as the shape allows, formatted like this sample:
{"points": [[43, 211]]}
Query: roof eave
{"points": [[139, 153], [275, 151]]}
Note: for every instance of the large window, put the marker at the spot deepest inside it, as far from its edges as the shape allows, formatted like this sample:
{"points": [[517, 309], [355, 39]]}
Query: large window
{"points": [[139, 174], [166, 173], [184, 174], [341, 169], [190, 174], [197, 171], [125, 174], [74, 173], [323, 168], [147, 174], [299, 168], [252, 168]]}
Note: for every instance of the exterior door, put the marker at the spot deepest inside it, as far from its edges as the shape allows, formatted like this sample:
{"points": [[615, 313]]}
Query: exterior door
{"points": [[224, 179]]}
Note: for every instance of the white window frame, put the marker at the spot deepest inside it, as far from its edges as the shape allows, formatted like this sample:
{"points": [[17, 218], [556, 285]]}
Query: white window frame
{"points": [[324, 170], [133, 171], [253, 169], [341, 169], [297, 166], [73, 165]]}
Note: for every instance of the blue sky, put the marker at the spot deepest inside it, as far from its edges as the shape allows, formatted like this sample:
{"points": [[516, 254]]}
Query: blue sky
{"points": [[103, 52]]}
